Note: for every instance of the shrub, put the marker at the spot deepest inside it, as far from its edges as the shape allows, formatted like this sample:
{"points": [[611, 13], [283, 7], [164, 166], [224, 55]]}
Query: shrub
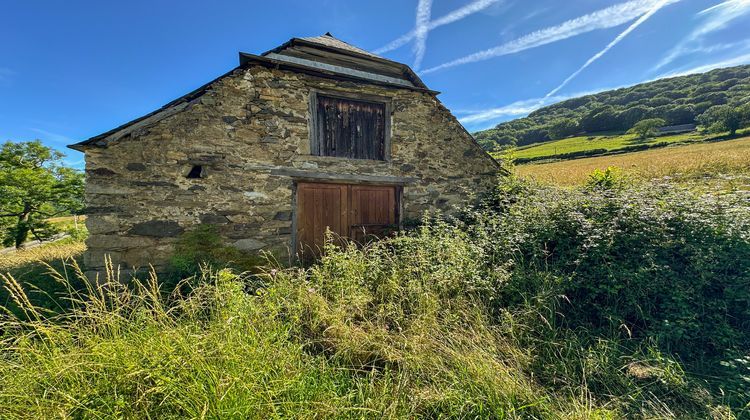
{"points": [[647, 128], [654, 262], [607, 179], [203, 246]]}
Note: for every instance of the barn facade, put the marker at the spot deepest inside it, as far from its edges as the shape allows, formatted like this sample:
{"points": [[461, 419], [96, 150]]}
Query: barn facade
{"points": [[313, 134]]}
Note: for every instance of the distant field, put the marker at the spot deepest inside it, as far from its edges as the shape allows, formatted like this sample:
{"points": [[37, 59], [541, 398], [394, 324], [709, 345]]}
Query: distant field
{"points": [[730, 157], [614, 142]]}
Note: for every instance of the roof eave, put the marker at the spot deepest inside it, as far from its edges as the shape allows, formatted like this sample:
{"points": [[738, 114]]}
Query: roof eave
{"points": [[246, 58], [405, 68]]}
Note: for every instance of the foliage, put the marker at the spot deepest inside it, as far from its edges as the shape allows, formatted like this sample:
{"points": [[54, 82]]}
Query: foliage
{"points": [[34, 186], [613, 300], [676, 100], [204, 246], [722, 118], [647, 128], [608, 179], [418, 326], [653, 263], [563, 127]]}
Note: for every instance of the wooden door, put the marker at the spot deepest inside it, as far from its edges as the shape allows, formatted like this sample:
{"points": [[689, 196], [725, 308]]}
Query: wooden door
{"points": [[358, 212], [373, 212]]}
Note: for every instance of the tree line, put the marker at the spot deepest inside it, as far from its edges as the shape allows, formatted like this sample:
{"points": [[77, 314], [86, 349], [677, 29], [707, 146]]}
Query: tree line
{"points": [[718, 100]]}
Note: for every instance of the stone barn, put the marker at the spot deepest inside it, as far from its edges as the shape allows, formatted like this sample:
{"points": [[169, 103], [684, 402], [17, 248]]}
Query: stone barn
{"points": [[315, 133]]}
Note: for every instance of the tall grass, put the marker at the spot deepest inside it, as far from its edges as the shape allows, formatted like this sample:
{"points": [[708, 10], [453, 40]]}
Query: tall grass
{"points": [[408, 327], [605, 302]]}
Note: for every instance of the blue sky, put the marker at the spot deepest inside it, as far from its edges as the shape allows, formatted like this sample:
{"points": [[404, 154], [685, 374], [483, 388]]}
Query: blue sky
{"points": [[71, 70]]}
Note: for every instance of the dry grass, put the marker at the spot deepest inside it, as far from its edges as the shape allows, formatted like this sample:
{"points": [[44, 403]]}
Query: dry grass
{"points": [[692, 161], [46, 253]]}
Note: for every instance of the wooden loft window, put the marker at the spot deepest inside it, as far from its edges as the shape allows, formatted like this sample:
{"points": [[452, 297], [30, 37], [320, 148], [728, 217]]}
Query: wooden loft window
{"points": [[351, 127]]}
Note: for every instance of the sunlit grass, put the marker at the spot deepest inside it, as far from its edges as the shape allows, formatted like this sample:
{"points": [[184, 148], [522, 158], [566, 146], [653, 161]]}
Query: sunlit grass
{"points": [[730, 159]]}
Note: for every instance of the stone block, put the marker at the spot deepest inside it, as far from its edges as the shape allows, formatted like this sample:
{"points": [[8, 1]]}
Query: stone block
{"points": [[248, 244], [157, 229]]}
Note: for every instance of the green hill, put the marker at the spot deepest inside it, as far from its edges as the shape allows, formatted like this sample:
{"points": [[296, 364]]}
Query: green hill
{"points": [[677, 100]]}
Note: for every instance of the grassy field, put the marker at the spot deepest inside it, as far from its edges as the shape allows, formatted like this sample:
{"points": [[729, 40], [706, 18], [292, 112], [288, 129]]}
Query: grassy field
{"points": [[29, 267], [610, 143], [730, 159], [607, 143]]}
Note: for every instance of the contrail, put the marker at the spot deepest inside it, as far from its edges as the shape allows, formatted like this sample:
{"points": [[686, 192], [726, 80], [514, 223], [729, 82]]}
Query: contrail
{"points": [[609, 46], [608, 17], [451, 17], [719, 17], [424, 8]]}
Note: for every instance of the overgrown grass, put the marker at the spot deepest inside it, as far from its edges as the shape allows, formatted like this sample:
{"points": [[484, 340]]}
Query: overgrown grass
{"points": [[729, 160], [31, 266], [611, 301]]}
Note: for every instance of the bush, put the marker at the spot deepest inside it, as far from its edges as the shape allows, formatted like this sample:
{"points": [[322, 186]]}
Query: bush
{"points": [[657, 261], [647, 128]]}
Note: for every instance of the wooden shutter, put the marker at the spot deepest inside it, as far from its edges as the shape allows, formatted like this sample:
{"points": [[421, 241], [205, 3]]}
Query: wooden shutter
{"points": [[350, 128]]}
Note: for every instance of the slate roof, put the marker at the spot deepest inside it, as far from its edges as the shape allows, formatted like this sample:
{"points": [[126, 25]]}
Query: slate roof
{"points": [[379, 71], [330, 41]]}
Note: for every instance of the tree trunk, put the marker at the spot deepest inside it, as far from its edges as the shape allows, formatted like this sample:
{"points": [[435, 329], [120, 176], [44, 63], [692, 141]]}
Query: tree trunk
{"points": [[22, 227]]}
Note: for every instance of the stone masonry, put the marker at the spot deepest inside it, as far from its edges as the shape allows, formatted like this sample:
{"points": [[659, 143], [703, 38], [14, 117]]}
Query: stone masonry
{"points": [[249, 132]]}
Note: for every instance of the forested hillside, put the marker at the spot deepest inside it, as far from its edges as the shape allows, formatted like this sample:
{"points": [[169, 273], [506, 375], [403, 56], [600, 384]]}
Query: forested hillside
{"points": [[676, 100]]}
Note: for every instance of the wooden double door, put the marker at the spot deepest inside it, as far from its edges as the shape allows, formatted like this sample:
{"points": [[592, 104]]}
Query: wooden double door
{"points": [[351, 212]]}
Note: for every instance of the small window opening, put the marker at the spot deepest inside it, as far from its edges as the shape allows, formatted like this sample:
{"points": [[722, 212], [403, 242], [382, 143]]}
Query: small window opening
{"points": [[195, 172]]}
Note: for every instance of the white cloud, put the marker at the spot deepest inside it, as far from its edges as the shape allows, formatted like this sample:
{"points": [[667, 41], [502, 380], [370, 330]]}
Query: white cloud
{"points": [[609, 17], [52, 137], [612, 44], [421, 29], [716, 18], [451, 17], [517, 108], [520, 108]]}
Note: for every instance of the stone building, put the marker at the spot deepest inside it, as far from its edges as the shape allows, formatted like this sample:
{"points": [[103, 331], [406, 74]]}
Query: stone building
{"points": [[311, 134]]}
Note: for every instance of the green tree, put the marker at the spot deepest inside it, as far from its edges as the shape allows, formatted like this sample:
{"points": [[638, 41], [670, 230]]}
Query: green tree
{"points": [[562, 127], [34, 186], [721, 118], [647, 127]]}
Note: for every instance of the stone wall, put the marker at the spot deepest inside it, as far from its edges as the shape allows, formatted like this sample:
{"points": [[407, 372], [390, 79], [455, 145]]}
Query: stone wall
{"points": [[249, 132]]}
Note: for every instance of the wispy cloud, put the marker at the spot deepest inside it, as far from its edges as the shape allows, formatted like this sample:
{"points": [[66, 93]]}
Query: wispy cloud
{"points": [[53, 137], [715, 18], [514, 109], [608, 17], [734, 61], [454, 16], [520, 108], [5, 75], [421, 29], [612, 44]]}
